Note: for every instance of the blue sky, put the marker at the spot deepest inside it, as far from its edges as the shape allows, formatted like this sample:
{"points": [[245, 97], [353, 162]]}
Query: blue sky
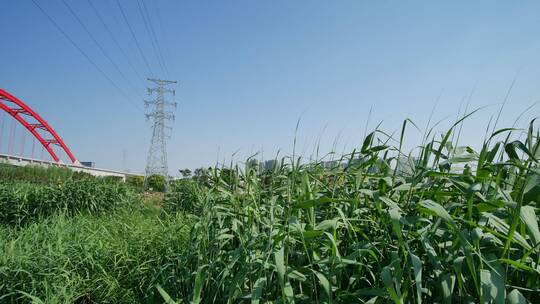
{"points": [[248, 70]]}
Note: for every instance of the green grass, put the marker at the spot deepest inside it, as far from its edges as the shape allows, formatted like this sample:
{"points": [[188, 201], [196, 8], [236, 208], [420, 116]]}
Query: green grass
{"points": [[22, 202], [38, 174], [116, 258], [455, 225], [451, 225]]}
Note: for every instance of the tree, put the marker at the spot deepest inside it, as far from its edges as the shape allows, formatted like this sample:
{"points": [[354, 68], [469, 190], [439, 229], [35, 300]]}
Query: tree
{"points": [[185, 172], [155, 183], [135, 181]]}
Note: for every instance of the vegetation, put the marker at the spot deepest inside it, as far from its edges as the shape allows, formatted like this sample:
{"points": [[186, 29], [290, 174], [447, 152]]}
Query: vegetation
{"points": [[454, 225], [114, 258], [89, 240], [37, 174], [137, 182], [21, 203], [185, 195], [450, 225], [155, 183]]}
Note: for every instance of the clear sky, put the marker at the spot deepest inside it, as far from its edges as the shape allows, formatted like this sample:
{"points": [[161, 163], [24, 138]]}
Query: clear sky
{"points": [[248, 70]]}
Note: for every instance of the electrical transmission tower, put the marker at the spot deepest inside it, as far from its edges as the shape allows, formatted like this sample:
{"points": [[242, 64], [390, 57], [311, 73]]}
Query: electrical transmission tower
{"points": [[161, 114]]}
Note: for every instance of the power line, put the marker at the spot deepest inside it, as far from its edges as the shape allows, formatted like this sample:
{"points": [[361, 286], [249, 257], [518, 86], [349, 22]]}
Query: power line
{"points": [[100, 47], [150, 36], [153, 38], [84, 54], [160, 23], [114, 39], [133, 35]]}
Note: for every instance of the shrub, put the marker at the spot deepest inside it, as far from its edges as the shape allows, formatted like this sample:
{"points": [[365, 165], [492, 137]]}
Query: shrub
{"points": [[136, 182], [155, 183]]}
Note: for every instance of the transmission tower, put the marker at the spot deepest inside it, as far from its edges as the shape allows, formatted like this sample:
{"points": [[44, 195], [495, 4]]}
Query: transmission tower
{"points": [[161, 113]]}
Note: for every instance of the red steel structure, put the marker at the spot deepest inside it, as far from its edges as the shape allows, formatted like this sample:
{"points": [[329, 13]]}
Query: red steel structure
{"points": [[36, 125]]}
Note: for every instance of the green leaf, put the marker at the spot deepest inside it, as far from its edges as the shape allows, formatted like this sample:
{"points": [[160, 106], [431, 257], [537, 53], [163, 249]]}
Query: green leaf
{"points": [[447, 284], [327, 224], [335, 249], [529, 218], [288, 292], [532, 182], [166, 297], [309, 234], [286, 288], [417, 269], [315, 202], [501, 131], [515, 297], [367, 142], [503, 227], [510, 150], [403, 187], [388, 280], [438, 210], [493, 282], [199, 281], [258, 287], [35, 300], [531, 191], [296, 275], [280, 264], [519, 265], [325, 284]]}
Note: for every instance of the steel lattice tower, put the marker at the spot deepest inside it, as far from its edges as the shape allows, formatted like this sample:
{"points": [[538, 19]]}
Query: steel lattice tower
{"points": [[161, 114]]}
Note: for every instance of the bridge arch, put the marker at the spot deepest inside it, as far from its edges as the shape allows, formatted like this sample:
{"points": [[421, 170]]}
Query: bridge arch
{"points": [[36, 125]]}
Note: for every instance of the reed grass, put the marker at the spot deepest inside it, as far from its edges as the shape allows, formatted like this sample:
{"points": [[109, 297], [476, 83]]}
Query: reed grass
{"points": [[22, 202], [450, 225], [114, 258], [446, 224]]}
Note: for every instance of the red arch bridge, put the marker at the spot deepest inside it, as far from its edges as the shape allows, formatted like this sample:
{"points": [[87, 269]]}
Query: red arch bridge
{"points": [[44, 135]]}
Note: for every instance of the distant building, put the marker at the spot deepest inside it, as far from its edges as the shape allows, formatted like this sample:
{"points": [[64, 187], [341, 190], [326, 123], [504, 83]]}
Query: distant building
{"points": [[269, 165], [88, 164], [406, 166], [253, 163], [330, 164]]}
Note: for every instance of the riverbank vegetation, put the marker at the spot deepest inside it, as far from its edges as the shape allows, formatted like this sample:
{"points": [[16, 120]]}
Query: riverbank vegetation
{"points": [[447, 224]]}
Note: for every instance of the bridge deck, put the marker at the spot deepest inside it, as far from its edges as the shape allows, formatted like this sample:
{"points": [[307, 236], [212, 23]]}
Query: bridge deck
{"points": [[25, 161]]}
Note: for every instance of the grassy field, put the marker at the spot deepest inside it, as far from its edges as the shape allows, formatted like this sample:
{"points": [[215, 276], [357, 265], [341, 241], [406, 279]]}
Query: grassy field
{"points": [[451, 225]]}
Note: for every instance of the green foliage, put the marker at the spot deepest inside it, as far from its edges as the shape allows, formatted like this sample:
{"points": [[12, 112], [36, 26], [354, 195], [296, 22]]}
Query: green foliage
{"points": [[185, 195], [21, 203], [137, 182], [202, 175], [450, 225], [116, 258], [155, 183], [457, 225], [112, 179], [185, 172], [38, 174]]}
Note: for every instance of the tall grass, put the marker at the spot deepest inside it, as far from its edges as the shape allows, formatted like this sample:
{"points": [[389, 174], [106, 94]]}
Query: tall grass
{"points": [[450, 225], [38, 174], [23, 202], [115, 258]]}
